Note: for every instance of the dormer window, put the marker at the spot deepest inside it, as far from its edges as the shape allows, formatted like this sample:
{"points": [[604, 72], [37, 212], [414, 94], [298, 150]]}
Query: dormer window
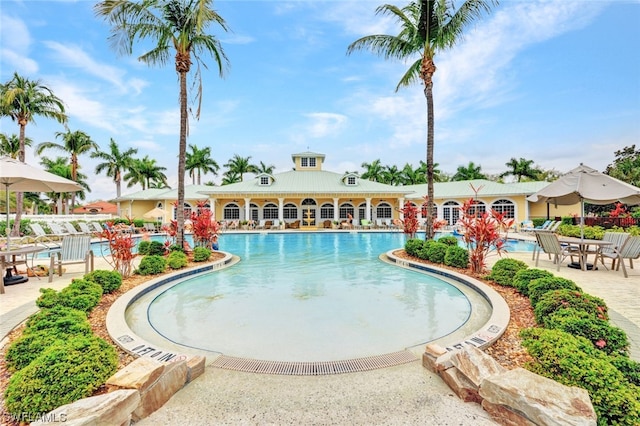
{"points": [[308, 162], [350, 180], [264, 180]]}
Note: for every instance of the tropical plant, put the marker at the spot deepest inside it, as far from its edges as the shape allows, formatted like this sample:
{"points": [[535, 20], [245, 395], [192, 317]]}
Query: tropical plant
{"points": [[264, 168], [199, 162], [409, 219], [626, 166], [172, 26], [230, 178], [61, 167], [10, 145], [75, 143], [426, 27], [22, 100], [468, 172], [121, 246], [521, 168], [239, 166], [391, 175], [114, 163], [145, 172], [204, 225], [411, 176], [374, 171]]}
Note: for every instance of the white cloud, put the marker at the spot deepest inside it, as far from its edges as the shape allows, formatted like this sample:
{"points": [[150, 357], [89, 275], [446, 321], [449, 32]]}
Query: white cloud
{"points": [[16, 45], [323, 124]]}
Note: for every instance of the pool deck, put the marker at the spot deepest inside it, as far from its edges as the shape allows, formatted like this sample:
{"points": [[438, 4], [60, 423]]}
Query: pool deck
{"points": [[403, 394]]}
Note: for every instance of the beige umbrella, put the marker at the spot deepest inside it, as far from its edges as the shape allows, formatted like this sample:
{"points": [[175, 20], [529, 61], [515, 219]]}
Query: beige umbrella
{"points": [[21, 177], [155, 213], [586, 184]]}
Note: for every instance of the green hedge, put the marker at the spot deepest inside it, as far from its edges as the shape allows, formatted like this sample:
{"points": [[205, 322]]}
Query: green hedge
{"points": [[504, 270], [177, 260], [524, 276], [554, 300], [201, 254], [457, 257], [152, 265], [540, 286], [110, 281], [80, 294]]}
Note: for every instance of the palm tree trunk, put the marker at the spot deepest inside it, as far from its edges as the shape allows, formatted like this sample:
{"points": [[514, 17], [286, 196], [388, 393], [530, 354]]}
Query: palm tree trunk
{"points": [[181, 158], [427, 70], [15, 232]]}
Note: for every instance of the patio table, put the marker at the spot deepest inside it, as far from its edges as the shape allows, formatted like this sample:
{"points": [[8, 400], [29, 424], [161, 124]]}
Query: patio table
{"points": [[9, 259], [584, 246]]}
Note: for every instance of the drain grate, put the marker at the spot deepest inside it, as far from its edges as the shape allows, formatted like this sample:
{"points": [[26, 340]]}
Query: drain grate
{"points": [[291, 368]]}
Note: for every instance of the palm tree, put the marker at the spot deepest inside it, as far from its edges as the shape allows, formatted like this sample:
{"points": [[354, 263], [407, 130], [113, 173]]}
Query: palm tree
{"points": [[75, 143], [239, 166], [392, 175], [10, 145], [374, 171], [22, 100], [469, 172], [199, 161], [61, 166], [263, 168], [175, 27], [427, 26], [114, 163], [146, 172], [230, 177], [521, 168]]}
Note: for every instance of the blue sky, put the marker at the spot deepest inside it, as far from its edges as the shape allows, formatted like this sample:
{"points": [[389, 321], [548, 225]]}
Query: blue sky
{"points": [[557, 82]]}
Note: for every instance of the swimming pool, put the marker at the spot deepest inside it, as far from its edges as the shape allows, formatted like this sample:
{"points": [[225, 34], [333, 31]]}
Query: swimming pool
{"points": [[305, 297]]}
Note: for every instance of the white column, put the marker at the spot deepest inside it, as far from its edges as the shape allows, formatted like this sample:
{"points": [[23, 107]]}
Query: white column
{"points": [[335, 209], [401, 202], [212, 207], [367, 212], [281, 209], [247, 208]]}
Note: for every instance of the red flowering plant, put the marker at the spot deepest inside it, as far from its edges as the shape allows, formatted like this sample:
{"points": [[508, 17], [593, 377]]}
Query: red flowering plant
{"points": [[409, 221], [481, 232], [121, 245], [204, 225], [619, 211], [171, 230]]}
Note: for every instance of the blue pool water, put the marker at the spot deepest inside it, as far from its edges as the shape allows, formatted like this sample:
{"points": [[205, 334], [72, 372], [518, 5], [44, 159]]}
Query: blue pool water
{"points": [[308, 297]]}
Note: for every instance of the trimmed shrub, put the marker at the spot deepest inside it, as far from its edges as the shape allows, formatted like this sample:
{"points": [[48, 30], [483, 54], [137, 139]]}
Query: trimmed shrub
{"points": [[67, 319], [601, 333], [457, 257], [423, 253], [201, 254], [81, 294], [628, 367], [156, 248], [504, 270], [524, 276], [152, 265], [175, 247], [554, 300], [110, 281], [449, 240], [538, 287], [436, 252], [177, 260], [413, 246], [143, 247], [48, 298], [63, 373], [573, 361]]}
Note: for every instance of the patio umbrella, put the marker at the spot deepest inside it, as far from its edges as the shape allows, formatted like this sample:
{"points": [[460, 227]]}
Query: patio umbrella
{"points": [[586, 184], [155, 213], [21, 177]]}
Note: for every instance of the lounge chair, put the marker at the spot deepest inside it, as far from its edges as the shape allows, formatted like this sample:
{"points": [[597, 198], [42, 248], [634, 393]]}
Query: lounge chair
{"points": [[68, 226], [326, 224], [57, 229], [295, 224], [261, 224], [84, 228], [96, 226], [380, 224], [365, 223], [276, 224], [630, 249], [150, 227], [617, 239], [549, 244], [43, 238], [74, 249]]}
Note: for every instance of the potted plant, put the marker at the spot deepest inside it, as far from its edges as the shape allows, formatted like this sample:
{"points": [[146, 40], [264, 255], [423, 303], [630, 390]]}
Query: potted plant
{"points": [[335, 224]]}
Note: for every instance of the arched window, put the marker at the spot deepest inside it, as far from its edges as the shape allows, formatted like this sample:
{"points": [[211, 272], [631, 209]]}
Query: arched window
{"points": [[345, 210], [326, 211], [270, 211], [384, 211], [290, 211], [231, 212], [206, 206], [253, 211], [308, 202], [477, 208], [187, 211], [505, 207], [362, 211], [451, 212]]}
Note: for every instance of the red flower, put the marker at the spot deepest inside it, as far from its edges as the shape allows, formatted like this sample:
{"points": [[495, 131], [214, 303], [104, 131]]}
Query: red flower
{"points": [[601, 343]]}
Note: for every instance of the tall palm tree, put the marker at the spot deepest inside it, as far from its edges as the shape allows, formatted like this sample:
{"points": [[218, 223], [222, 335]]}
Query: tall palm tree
{"points": [[199, 162], [22, 100], [468, 172], [263, 168], [115, 162], [391, 175], [62, 166], [10, 145], [146, 172], [374, 171], [175, 27], [239, 166], [230, 177], [75, 143], [521, 168], [426, 27], [411, 176]]}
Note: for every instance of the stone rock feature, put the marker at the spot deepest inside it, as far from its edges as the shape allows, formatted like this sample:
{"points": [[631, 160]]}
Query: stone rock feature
{"points": [[171, 381], [195, 367], [139, 374], [515, 397], [113, 408]]}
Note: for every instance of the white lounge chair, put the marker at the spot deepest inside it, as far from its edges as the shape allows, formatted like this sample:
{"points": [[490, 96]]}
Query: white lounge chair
{"points": [[68, 226], [74, 249], [276, 224], [57, 229], [261, 224]]}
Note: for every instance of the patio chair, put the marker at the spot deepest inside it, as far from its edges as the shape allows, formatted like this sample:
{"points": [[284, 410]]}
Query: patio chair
{"points": [[261, 224], [326, 224], [96, 226], [73, 250], [150, 227], [630, 249], [365, 223], [68, 226], [84, 228], [276, 224], [549, 244], [57, 229], [43, 238], [380, 224], [617, 239]]}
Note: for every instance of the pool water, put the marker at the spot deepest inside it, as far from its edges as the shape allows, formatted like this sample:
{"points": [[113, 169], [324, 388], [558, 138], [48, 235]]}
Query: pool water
{"points": [[306, 297]]}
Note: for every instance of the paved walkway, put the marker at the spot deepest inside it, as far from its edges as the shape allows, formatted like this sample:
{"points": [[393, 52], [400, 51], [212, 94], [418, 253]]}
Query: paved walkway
{"points": [[405, 394]]}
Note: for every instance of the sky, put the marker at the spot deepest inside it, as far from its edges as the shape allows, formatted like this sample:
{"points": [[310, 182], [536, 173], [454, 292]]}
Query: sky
{"points": [[556, 82]]}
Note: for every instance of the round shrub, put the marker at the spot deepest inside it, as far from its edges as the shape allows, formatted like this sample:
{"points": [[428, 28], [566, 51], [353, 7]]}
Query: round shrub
{"points": [[449, 240], [67, 319], [201, 254], [524, 276], [143, 247], [175, 247], [156, 248], [554, 300], [628, 367], [413, 246], [110, 281], [538, 287], [436, 252], [504, 270], [601, 333], [152, 265], [177, 260], [573, 361], [457, 257], [81, 294], [423, 253], [48, 298], [63, 373]]}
